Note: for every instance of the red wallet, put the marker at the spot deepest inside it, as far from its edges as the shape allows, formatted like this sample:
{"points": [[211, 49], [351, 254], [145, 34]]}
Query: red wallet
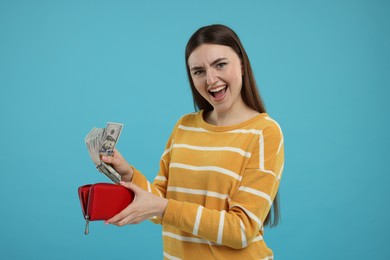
{"points": [[102, 201]]}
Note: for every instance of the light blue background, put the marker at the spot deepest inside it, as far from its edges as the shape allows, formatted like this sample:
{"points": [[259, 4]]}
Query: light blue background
{"points": [[66, 66]]}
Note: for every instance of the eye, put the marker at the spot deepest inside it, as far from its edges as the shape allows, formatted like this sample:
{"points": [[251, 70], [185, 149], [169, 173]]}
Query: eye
{"points": [[197, 72], [221, 65]]}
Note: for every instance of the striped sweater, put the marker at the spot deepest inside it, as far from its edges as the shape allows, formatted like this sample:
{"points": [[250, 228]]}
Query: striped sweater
{"points": [[220, 182]]}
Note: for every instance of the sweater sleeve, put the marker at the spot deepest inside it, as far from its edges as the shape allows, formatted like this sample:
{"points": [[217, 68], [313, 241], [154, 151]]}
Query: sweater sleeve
{"points": [[159, 185], [248, 206]]}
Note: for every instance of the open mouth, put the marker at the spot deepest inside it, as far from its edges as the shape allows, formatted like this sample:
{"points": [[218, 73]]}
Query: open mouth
{"points": [[218, 92]]}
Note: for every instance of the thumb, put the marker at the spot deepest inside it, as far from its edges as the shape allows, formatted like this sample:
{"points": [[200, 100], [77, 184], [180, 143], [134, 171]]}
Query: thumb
{"points": [[107, 159], [110, 160], [131, 186]]}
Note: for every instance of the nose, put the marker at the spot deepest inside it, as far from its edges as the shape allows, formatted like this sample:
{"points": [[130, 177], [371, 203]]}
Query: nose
{"points": [[211, 77]]}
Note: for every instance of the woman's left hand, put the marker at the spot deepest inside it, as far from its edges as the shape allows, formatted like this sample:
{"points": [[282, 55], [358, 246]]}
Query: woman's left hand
{"points": [[144, 206]]}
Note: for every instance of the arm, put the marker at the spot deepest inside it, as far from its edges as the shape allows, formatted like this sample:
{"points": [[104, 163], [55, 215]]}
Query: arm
{"points": [[130, 174], [149, 202]]}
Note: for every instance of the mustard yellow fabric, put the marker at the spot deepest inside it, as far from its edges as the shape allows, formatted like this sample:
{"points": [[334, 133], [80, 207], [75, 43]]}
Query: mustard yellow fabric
{"points": [[220, 182]]}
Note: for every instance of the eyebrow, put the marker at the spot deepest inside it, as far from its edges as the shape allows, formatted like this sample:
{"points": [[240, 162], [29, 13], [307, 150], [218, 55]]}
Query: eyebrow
{"points": [[212, 64]]}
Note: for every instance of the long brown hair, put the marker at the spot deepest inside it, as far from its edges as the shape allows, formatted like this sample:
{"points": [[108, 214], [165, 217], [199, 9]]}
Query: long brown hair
{"points": [[223, 35]]}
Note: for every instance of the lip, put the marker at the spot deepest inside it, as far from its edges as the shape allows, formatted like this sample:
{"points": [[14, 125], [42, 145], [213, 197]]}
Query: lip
{"points": [[215, 87], [220, 98]]}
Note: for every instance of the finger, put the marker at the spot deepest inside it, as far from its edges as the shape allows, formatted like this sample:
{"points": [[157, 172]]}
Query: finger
{"points": [[130, 219], [110, 159], [107, 159], [131, 186], [124, 221], [117, 153], [118, 217]]}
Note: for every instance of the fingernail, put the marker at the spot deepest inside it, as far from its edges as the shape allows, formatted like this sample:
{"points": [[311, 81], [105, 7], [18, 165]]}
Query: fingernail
{"points": [[122, 183], [106, 222], [104, 158]]}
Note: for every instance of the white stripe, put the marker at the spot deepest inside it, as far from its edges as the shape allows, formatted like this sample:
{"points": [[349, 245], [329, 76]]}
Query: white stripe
{"points": [[240, 131], [280, 145], [257, 193], [272, 173], [197, 220], [261, 152], [206, 168], [246, 131], [268, 258], [160, 178], [220, 228], [206, 148], [243, 236], [199, 192], [165, 152], [186, 239], [258, 238], [159, 193], [281, 133], [250, 214], [189, 128], [170, 257], [280, 171], [149, 188]]}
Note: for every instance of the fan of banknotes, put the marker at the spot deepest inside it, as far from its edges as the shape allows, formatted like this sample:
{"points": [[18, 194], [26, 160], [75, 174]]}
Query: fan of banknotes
{"points": [[102, 141]]}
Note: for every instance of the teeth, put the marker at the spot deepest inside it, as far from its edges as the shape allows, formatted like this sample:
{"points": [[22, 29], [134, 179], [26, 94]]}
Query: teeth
{"points": [[217, 89]]}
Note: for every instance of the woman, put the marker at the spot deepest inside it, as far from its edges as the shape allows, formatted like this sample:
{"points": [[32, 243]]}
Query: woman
{"points": [[221, 168]]}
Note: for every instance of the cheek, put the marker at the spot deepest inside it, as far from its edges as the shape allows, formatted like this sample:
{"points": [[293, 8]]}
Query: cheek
{"points": [[236, 76], [202, 92], [199, 86]]}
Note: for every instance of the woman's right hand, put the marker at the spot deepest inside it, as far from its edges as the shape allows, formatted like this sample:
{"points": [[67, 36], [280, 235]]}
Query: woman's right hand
{"points": [[120, 165]]}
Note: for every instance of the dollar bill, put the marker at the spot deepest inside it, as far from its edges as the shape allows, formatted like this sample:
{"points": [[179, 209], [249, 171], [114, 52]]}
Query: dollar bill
{"points": [[110, 172], [110, 137], [102, 141], [93, 142]]}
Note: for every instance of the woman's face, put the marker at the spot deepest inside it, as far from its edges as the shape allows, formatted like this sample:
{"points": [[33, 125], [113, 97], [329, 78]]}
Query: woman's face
{"points": [[216, 72]]}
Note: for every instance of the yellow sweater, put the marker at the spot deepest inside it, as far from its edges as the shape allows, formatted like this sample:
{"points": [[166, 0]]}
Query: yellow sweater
{"points": [[220, 182]]}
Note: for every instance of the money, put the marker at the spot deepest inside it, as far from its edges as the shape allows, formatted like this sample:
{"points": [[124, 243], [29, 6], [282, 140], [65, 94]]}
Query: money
{"points": [[102, 141], [110, 137]]}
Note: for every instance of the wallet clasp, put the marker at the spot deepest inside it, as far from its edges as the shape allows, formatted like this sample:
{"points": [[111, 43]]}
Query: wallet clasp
{"points": [[86, 231]]}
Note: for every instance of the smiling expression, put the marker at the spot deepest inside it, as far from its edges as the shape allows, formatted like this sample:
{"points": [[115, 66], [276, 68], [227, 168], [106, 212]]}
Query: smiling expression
{"points": [[216, 72]]}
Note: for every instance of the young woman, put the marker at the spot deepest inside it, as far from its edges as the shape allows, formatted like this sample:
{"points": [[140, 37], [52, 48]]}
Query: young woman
{"points": [[222, 165]]}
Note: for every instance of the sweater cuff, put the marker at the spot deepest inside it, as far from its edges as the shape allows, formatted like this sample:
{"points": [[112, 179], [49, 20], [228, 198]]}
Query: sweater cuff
{"points": [[173, 212], [138, 178]]}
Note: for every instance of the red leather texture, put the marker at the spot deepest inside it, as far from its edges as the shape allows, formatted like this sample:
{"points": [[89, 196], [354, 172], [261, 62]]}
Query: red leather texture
{"points": [[101, 201]]}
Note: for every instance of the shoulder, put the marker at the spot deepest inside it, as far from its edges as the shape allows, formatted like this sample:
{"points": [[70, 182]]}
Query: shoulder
{"points": [[264, 122], [189, 119], [272, 123], [273, 139], [269, 126]]}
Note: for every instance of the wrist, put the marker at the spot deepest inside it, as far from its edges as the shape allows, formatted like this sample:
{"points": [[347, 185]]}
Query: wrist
{"points": [[128, 176], [162, 207]]}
